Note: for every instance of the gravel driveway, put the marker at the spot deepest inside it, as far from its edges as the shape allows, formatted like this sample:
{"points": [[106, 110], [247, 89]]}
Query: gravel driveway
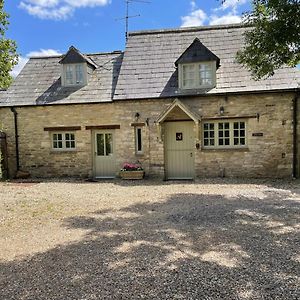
{"points": [[210, 239]]}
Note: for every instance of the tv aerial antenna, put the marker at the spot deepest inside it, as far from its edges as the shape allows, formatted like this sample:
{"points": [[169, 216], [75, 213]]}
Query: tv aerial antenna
{"points": [[127, 17]]}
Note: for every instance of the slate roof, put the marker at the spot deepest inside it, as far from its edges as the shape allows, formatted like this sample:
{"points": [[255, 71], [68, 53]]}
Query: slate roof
{"points": [[75, 56], [148, 68], [39, 82], [197, 52]]}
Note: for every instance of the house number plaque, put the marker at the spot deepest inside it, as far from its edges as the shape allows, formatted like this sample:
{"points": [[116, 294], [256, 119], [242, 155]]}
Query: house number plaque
{"points": [[178, 136], [257, 134]]}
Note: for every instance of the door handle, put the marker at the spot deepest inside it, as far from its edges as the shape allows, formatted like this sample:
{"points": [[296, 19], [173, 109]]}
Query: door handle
{"points": [[191, 154]]}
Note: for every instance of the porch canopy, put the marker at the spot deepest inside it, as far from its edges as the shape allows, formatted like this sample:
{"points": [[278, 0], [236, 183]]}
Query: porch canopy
{"points": [[183, 113]]}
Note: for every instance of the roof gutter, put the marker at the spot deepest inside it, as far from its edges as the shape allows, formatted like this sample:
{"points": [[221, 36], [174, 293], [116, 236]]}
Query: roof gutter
{"points": [[13, 109]]}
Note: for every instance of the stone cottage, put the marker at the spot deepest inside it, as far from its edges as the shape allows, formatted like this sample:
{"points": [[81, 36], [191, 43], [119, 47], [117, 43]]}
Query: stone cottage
{"points": [[174, 100]]}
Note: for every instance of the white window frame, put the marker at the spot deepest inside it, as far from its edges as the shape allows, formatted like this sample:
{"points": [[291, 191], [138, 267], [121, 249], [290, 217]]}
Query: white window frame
{"points": [[74, 74], [64, 141], [231, 134], [136, 130], [197, 85]]}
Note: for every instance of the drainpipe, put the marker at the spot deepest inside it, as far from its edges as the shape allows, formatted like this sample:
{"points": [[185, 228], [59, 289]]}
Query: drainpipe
{"points": [[16, 136], [295, 139]]}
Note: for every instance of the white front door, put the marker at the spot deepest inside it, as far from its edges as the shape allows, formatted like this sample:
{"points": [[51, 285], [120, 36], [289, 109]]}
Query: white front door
{"points": [[104, 162], [179, 150]]}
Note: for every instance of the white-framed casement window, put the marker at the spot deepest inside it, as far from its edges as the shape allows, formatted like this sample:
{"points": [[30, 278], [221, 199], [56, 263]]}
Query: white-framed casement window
{"points": [[225, 134], [138, 140], [63, 141], [197, 75], [74, 74]]}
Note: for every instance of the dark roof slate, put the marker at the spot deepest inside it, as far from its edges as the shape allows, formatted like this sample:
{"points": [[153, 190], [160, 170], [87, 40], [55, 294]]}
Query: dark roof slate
{"points": [[148, 69], [75, 56], [39, 82], [197, 52]]}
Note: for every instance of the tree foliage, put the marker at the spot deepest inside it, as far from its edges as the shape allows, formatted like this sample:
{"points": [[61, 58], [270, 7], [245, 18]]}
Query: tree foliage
{"points": [[8, 50], [274, 38]]}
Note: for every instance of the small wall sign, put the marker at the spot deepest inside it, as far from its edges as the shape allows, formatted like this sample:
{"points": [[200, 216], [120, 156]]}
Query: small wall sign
{"points": [[257, 134], [179, 136]]}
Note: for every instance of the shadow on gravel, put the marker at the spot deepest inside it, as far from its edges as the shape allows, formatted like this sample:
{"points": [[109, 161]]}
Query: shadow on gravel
{"points": [[189, 247]]}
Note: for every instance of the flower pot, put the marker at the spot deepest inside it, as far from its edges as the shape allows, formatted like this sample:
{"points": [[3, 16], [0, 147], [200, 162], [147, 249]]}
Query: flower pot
{"points": [[132, 175]]}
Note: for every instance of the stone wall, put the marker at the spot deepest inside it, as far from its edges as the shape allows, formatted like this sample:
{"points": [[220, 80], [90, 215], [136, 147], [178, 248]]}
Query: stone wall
{"points": [[269, 155]]}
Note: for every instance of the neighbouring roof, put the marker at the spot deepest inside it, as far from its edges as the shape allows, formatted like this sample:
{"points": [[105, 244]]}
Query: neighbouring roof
{"points": [[148, 68], [39, 82], [74, 56], [197, 52]]}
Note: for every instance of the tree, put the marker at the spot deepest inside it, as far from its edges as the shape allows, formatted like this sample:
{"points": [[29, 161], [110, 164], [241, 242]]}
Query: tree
{"points": [[8, 51], [274, 37]]}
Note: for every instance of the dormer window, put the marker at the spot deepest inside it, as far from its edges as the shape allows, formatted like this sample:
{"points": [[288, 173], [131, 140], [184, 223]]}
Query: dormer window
{"points": [[197, 75], [75, 68], [197, 67]]}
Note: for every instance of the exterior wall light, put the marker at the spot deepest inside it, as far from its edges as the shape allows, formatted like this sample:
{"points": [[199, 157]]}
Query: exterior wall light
{"points": [[222, 110]]}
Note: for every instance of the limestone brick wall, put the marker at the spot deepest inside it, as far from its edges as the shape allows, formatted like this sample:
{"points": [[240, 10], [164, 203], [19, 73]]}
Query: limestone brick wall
{"points": [[269, 155]]}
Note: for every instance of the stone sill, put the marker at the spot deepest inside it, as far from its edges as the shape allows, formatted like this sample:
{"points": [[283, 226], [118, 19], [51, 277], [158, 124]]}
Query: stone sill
{"points": [[63, 152], [226, 150]]}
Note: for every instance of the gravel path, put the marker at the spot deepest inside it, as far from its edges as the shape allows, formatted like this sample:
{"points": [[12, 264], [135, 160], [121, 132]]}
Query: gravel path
{"points": [[210, 239]]}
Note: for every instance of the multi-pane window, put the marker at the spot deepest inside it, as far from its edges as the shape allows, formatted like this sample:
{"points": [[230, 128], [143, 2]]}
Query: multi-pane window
{"points": [[79, 74], [224, 134], [197, 75], [63, 141], [138, 140], [69, 74], [239, 133], [209, 134], [74, 74], [206, 75], [188, 75]]}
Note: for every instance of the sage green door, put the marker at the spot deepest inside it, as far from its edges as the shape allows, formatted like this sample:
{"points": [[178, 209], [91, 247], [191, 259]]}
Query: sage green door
{"points": [[105, 165], [179, 150]]}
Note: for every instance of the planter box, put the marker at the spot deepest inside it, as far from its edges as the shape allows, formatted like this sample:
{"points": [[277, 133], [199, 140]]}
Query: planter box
{"points": [[132, 174]]}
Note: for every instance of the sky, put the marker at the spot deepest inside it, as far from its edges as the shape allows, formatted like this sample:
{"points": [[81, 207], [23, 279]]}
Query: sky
{"points": [[50, 27]]}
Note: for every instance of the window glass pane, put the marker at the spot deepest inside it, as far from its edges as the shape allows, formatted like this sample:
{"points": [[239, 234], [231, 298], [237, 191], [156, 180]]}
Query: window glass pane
{"points": [[224, 134], [138, 139], [69, 74], [79, 74], [108, 144], [205, 74], [208, 134], [70, 140], [100, 144], [57, 140], [188, 76], [239, 133]]}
